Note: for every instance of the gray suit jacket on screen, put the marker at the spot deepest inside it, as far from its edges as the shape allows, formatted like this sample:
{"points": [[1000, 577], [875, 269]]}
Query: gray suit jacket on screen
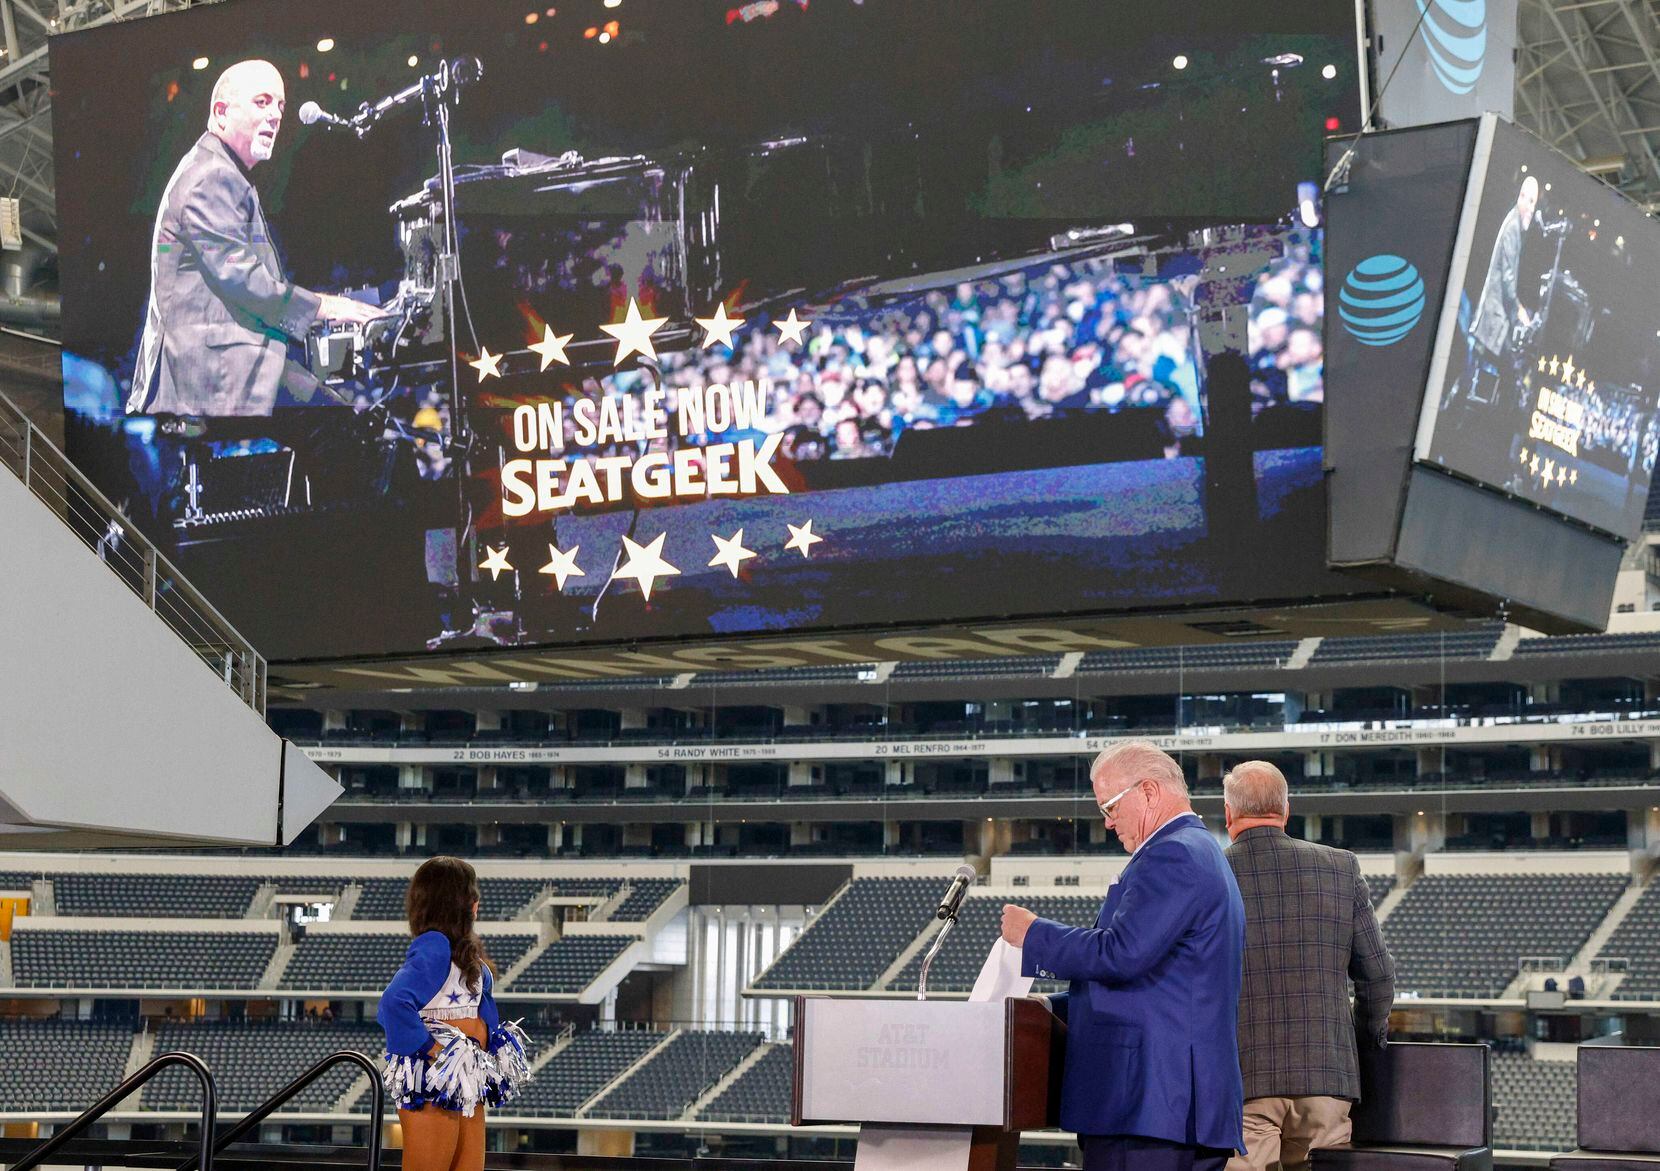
{"points": [[1496, 313], [221, 311], [1309, 932]]}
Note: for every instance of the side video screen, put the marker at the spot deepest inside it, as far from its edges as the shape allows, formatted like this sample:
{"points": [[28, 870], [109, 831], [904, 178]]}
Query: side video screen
{"points": [[1553, 376]]}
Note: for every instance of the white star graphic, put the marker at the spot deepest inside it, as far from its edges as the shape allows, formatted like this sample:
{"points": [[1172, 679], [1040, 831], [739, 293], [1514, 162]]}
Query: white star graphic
{"points": [[633, 333], [718, 328], [730, 551], [495, 560], [551, 348], [562, 565], [790, 329], [645, 564], [1568, 369], [487, 364], [802, 538]]}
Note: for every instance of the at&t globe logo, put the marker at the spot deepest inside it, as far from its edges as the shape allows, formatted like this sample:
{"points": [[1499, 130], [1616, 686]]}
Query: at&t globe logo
{"points": [[1455, 35], [1381, 300]]}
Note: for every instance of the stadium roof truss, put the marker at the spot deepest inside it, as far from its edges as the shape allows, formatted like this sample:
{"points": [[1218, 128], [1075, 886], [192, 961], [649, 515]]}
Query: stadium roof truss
{"points": [[1587, 81], [26, 96]]}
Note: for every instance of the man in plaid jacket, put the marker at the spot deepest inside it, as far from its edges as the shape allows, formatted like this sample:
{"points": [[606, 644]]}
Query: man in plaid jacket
{"points": [[1309, 932]]}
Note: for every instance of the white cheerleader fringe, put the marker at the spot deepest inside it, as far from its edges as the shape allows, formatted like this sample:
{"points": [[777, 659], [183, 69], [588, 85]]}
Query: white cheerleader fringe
{"points": [[462, 1074], [509, 1052], [404, 1078]]}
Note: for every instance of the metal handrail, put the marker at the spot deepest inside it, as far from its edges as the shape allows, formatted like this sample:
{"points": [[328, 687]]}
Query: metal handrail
{"points": [[97, 1110], [105, 529], [377, 1108]]}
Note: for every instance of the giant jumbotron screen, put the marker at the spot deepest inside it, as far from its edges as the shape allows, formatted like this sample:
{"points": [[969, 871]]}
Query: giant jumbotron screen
{"points": [[416, 325]]}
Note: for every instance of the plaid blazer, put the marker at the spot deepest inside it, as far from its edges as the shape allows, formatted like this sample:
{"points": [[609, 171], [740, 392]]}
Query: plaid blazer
{"points": [[1309, 931]]}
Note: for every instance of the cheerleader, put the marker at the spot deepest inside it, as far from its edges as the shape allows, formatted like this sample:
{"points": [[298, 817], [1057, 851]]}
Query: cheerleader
{"points": [[447, 1052]]}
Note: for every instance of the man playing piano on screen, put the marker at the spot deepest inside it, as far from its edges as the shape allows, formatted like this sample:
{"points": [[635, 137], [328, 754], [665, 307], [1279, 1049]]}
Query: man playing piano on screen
{"points": [[1500, 316], [221, 310]]}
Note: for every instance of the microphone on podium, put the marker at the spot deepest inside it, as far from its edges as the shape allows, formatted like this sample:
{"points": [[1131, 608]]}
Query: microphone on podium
{"points": [[953, 900]]}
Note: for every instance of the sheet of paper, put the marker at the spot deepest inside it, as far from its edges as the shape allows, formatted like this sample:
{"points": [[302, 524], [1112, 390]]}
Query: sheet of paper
{"points": [[1000, 976], [912, 1148]]}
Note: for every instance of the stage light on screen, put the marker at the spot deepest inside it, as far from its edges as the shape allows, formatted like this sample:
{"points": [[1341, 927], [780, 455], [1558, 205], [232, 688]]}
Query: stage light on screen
{"points": [[1308, 206], [1334, 123], [413, 61], [1180, 62], [199, 64], [1329, 72], [324, 45], [590, 32], [532, 17], [613, 3], [605, 38]]}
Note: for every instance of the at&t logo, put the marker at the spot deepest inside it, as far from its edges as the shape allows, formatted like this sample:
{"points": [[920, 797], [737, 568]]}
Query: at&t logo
{"points": [[1381, 300], [1455, 35]]}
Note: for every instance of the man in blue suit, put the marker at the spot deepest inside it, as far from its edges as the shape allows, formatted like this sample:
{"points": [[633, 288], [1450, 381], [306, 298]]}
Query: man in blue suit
{"points": [[1152, 1058]]}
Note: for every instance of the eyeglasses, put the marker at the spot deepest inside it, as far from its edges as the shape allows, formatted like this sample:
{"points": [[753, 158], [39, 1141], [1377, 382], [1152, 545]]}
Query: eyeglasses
{"points": [[1109, 808]]}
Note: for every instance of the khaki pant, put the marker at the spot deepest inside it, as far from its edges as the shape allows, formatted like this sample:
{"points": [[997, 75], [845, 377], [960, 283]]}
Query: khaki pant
{"points": [[1280, 1132]]}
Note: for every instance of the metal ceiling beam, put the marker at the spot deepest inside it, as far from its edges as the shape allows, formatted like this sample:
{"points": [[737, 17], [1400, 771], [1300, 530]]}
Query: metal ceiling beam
{"points": [[1583, 58]]}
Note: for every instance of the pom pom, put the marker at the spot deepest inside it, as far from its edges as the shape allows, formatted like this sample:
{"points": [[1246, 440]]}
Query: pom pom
{"points": [[509, 1053], [462, 1074], [404, 1079]]}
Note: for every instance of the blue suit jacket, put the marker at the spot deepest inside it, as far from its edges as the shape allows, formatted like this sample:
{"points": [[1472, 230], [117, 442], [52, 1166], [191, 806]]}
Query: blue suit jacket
{"points": [[1152, 1011]]}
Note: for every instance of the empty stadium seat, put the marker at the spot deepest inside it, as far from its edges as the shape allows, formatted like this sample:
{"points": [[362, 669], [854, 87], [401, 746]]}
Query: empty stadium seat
{"points": [[162, 896], [1379, 886], [252, 1060], [857, 936], [761, 1093], [1637, 942], [1465, 643], [979, 924], [141, 959], [644, 896], [570, 964], [364, 963], [1463, 935], [1207, 657], [61, 1065], [584, 1067], [1535, 1103], [677, 1075]]}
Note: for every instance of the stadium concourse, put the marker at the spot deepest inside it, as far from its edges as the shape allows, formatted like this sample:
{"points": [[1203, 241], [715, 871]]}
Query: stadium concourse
{"points": [[651, 922]]}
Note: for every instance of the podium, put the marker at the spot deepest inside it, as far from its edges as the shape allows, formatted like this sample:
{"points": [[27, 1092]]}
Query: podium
{"points": [[933, 1085]]}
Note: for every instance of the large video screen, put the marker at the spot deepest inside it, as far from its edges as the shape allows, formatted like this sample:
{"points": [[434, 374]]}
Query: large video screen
{"points": [[419, 325], [1552, 378]]}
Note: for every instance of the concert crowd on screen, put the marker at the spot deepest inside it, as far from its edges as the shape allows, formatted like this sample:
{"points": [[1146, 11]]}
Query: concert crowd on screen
{"points": [[1618, 432], [1024, 345], [1032, 344]]}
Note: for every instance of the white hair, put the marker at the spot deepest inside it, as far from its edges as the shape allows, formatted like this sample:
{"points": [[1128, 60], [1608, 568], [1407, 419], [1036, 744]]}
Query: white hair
{"points": [[1255, 788], [1146, 760], [233, 81]]}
